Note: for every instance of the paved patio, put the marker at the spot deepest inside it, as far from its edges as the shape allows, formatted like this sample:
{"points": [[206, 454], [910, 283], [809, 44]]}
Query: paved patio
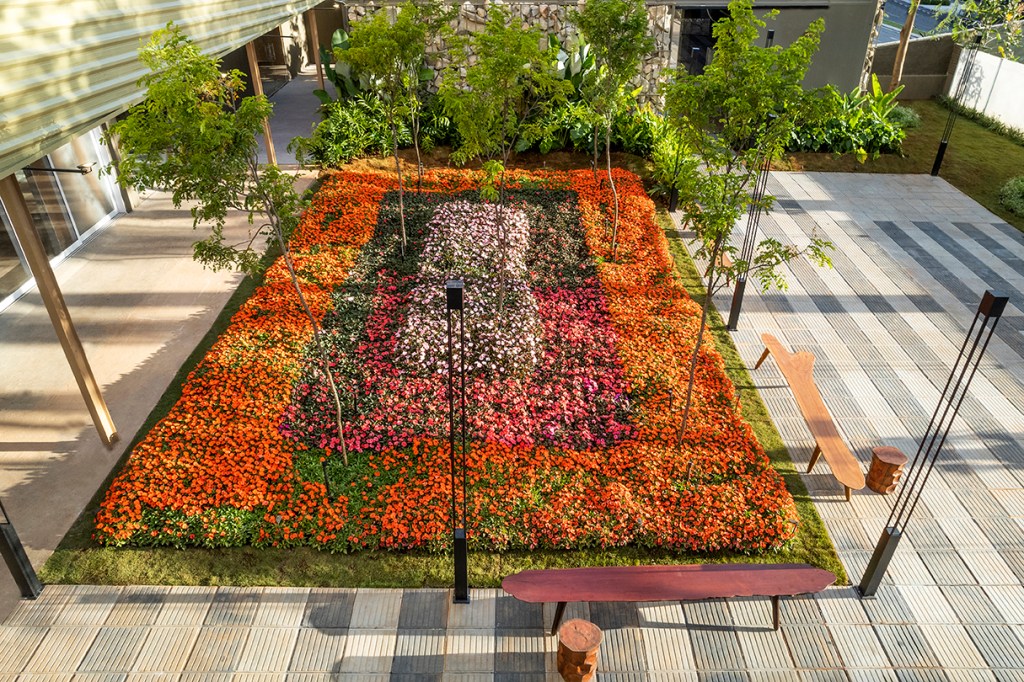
{"points": [[912, 261]]}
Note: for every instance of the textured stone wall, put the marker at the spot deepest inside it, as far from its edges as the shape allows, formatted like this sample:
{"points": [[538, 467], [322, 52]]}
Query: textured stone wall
{"points": [[551, 19]]}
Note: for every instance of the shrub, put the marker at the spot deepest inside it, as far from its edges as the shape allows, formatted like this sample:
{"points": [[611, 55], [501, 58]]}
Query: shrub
{"points": [[855, 123], [350, 128], [905, 117], [1011, 195]]}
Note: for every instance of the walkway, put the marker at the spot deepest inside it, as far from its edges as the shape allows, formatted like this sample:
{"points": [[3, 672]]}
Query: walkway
{"points": [[913, 258]]}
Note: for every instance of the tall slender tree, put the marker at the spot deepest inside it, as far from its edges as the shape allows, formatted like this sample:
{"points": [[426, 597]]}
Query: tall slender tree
{"points": [[734, 116], [195, 135], [619, 38], [390, 56], [496, 100]]}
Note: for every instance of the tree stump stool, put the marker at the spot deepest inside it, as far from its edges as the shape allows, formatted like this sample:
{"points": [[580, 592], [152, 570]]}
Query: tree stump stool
{"points": [[578, 642], [886, 469]]}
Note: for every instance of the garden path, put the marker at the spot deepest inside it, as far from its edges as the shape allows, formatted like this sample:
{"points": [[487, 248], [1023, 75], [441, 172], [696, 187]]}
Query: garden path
{"points": [[913, 258]]}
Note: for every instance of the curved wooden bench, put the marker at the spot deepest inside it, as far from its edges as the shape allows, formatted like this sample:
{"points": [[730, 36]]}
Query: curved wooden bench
{"points": [[688, 582], [798, 368]]}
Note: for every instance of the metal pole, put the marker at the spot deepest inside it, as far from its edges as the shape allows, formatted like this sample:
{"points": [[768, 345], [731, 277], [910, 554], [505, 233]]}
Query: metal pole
{"points": [[257, 86], [953, 395], [753, 220], [961, 88], [17, 561], [454, 301]]}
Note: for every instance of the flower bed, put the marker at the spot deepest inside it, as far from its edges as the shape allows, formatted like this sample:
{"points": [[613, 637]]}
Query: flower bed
{"points": [[575, 372]]}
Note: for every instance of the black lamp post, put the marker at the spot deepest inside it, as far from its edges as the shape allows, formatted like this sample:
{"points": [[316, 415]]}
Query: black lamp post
{"points": [[453, 289], [17, 561], [990, 309], [961, 88], [753, 220]]}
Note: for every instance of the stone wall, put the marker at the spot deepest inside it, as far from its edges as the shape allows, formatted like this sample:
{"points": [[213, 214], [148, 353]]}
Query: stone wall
{"points": [[551, 19]]}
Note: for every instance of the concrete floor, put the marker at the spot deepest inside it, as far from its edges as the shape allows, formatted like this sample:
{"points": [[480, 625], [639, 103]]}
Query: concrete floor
{"points": [[140, 305]]}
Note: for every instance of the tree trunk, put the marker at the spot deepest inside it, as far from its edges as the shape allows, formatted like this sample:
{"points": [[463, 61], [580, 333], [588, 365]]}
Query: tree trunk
{"points": [[869, 55], [401, 190], [416, 144], [324, 361], [700, 337], [593, 165], [615, 191], [901, 50]]}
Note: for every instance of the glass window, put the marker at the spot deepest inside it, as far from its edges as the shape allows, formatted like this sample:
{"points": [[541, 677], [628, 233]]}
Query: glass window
{"points": [[89, 197], [13, 271], [46, 205]]}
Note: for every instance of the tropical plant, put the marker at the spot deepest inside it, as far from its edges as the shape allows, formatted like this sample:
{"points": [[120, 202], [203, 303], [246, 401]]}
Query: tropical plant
{"points": [[350, 128], [196, 136], [736, 115], [619, 37], [859, 123]]}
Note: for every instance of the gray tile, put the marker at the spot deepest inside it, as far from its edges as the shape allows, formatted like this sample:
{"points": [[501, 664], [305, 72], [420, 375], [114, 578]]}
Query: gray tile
{"points": [[62, 649], [424, 610], [812, 646], [137, 605], [17, 645], [216, 650], [233, 606], [318, 649], [419, 652], [998, 644], [512, 614], [114, 650], [328, 608], [268, 650], [166, 649], [906, 646]]}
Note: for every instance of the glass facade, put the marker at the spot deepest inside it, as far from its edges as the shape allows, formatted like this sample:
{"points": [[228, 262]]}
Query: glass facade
{"points": [[65, 207]]}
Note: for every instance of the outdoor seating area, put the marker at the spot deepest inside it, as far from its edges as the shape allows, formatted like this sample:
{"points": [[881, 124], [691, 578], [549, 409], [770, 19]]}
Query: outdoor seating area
{"points": [[448, 396]]}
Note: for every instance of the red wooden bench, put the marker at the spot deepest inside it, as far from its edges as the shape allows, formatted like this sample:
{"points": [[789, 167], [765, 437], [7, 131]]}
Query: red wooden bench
{"points": [[689, 582]]}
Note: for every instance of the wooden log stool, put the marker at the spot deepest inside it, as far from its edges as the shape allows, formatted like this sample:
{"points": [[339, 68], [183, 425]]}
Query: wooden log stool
{"points": [[578, 642], [886, 469]]}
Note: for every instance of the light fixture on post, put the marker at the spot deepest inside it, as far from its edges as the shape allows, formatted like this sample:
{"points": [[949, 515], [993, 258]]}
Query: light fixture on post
{"points": [[966, 365], [961, 89], [453, 290]]}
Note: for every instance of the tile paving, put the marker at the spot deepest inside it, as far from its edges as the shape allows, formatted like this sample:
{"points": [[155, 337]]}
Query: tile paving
{"points": [[885, 325]]}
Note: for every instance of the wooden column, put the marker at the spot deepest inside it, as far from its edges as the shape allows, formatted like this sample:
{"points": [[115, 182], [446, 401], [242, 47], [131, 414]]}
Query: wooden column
{"points": [[315, 36], [39, 264], [257, 85]]}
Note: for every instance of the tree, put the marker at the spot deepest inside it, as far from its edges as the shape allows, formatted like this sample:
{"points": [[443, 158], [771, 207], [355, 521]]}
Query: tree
{"points": [[196, 137], [497, 100], [390, 56], [735, 116], [619, 39], [901, 49], [1000, 23]]}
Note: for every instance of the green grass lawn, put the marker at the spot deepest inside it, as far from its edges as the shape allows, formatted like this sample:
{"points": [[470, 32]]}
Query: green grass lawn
{"points": [[978, 161], [78, 560]]}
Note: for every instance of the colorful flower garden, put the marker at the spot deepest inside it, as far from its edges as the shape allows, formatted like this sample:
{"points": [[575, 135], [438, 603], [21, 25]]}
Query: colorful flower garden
{"points": [[576, 368]]}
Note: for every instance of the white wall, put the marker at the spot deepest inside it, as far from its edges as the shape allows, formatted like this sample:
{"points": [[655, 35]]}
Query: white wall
{"points": [[995, 88]]}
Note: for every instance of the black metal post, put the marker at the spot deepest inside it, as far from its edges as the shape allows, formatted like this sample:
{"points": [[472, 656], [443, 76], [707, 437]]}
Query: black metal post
{"points": [[454, 301], [749, 243], [753, 220], [953, 394], [961, 88], [17, 561]]}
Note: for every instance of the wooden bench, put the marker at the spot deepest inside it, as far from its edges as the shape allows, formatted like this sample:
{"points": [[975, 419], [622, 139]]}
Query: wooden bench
{"points": [[688, 582], [798, 368]]}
